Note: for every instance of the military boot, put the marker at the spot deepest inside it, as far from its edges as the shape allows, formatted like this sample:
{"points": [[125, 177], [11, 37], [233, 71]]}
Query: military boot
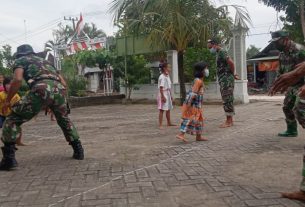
{"points": [[292, 130], [8, 161], [78, 149]]}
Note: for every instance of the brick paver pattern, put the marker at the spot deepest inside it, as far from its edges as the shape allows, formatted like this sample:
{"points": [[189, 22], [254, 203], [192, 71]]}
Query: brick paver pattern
{"points": [[130, 162]]}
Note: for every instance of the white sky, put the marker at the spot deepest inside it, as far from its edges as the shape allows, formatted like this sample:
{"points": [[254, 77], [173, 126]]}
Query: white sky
{"points": [[38, 18], [264, 19]]}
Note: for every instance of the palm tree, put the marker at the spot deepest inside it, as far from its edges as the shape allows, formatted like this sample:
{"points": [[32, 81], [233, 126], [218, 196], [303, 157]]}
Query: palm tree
{"points": [[175, 24], [49, 46], [93, 32], [63, 33]]}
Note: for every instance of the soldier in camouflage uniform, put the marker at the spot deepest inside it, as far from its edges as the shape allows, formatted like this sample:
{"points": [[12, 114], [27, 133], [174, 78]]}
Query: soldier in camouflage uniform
{"points": [[47, 90], [226, 77], [290, 56], [282, 84]]}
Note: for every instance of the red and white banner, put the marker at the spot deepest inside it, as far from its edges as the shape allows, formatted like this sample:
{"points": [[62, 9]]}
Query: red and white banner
{"points": [[78, 46]]}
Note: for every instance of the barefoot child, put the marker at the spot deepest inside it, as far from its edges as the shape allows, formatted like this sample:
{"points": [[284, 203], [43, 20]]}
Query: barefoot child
{"points": [[192, 118], [164, 99], [49, 111], [3, 114]]}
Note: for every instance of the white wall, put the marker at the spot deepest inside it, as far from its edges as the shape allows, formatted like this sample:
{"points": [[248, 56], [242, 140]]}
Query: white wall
{"points": [[93, 82], [212, 92]]}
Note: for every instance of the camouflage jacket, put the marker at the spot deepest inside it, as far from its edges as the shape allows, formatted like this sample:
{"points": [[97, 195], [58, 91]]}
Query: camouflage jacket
{"points": [[223, 68], [289, 59], [35, 68]]}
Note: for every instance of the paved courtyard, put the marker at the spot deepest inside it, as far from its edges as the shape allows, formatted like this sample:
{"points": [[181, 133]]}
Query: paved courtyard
{"points": [[130, 162]]}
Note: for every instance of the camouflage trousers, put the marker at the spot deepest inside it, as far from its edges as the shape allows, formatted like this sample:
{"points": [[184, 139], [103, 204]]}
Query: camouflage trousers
{"points": [[44, 93], [294, 109], [290, 102], [226, 83], [299, 112]]}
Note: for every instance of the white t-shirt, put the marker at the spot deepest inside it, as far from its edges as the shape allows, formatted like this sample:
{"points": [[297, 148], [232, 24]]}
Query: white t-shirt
{"points": [[165, 82]]}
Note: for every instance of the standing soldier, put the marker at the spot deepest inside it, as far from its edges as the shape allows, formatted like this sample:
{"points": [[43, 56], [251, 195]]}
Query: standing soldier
{"points": [[226, 76], [290, 56], [45, 90]]}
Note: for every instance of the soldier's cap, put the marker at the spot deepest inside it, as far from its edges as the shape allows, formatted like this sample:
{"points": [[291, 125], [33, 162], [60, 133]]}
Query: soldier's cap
{"points": [[278, 35], [24, 50], [213, 41]]}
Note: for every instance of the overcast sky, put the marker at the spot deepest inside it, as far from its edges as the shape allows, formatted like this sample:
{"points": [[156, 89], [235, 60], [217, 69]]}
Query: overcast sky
{"points": [[32, 21]]}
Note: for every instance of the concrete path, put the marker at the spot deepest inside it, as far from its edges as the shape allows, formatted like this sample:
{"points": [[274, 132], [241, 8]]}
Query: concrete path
{"points": [[130, 162]]}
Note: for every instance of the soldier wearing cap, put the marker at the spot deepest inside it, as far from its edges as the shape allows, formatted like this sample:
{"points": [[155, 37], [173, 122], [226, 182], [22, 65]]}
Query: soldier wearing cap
{"points": [[226, 76], [290, 56], [47, 90]]}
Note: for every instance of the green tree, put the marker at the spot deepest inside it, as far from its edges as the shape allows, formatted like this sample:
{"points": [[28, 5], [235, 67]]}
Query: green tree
{"points": [[6, 60], [86, 58], [7, 55], [63, 33], [174, 24], [93, 58], [5, 71], [92, 31], [294, 19], [137, 72], [76, 83], [194, 55], [251, 51]]}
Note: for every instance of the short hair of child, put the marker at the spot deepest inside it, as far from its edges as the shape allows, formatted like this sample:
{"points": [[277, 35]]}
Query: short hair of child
{"points": [[7, 80], [162, 66], [198, 69]]}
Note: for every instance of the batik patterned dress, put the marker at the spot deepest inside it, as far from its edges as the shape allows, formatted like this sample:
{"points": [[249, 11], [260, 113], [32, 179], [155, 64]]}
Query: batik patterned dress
{"points": [[192, 116]]}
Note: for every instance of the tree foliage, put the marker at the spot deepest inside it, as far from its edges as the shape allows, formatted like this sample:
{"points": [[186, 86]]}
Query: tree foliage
{"points": [[252, 50], [76, 83], [137, 73], [92, 31], [86, 58], [93, 58], [194, 55], [294, 20], [65, 32], [280, 5], [6, 60]]}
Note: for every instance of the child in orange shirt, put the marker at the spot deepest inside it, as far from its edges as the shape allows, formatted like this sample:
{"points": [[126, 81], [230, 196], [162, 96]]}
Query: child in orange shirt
{"points": [[192, 116], [3, 114]]}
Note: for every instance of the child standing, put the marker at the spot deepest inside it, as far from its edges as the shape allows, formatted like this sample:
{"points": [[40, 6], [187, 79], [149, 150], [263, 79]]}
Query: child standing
{"points": [[164, 99], [192, 117], [3, 114]]}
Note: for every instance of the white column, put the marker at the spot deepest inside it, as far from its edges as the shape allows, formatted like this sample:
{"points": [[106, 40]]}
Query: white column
{"points": [[239, 57], [172, 59]]}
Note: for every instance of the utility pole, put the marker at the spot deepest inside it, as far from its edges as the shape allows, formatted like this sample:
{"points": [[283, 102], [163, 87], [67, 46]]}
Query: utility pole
{"points": [[57, 61], [25, 38], [125, 56], [73, 19]]}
